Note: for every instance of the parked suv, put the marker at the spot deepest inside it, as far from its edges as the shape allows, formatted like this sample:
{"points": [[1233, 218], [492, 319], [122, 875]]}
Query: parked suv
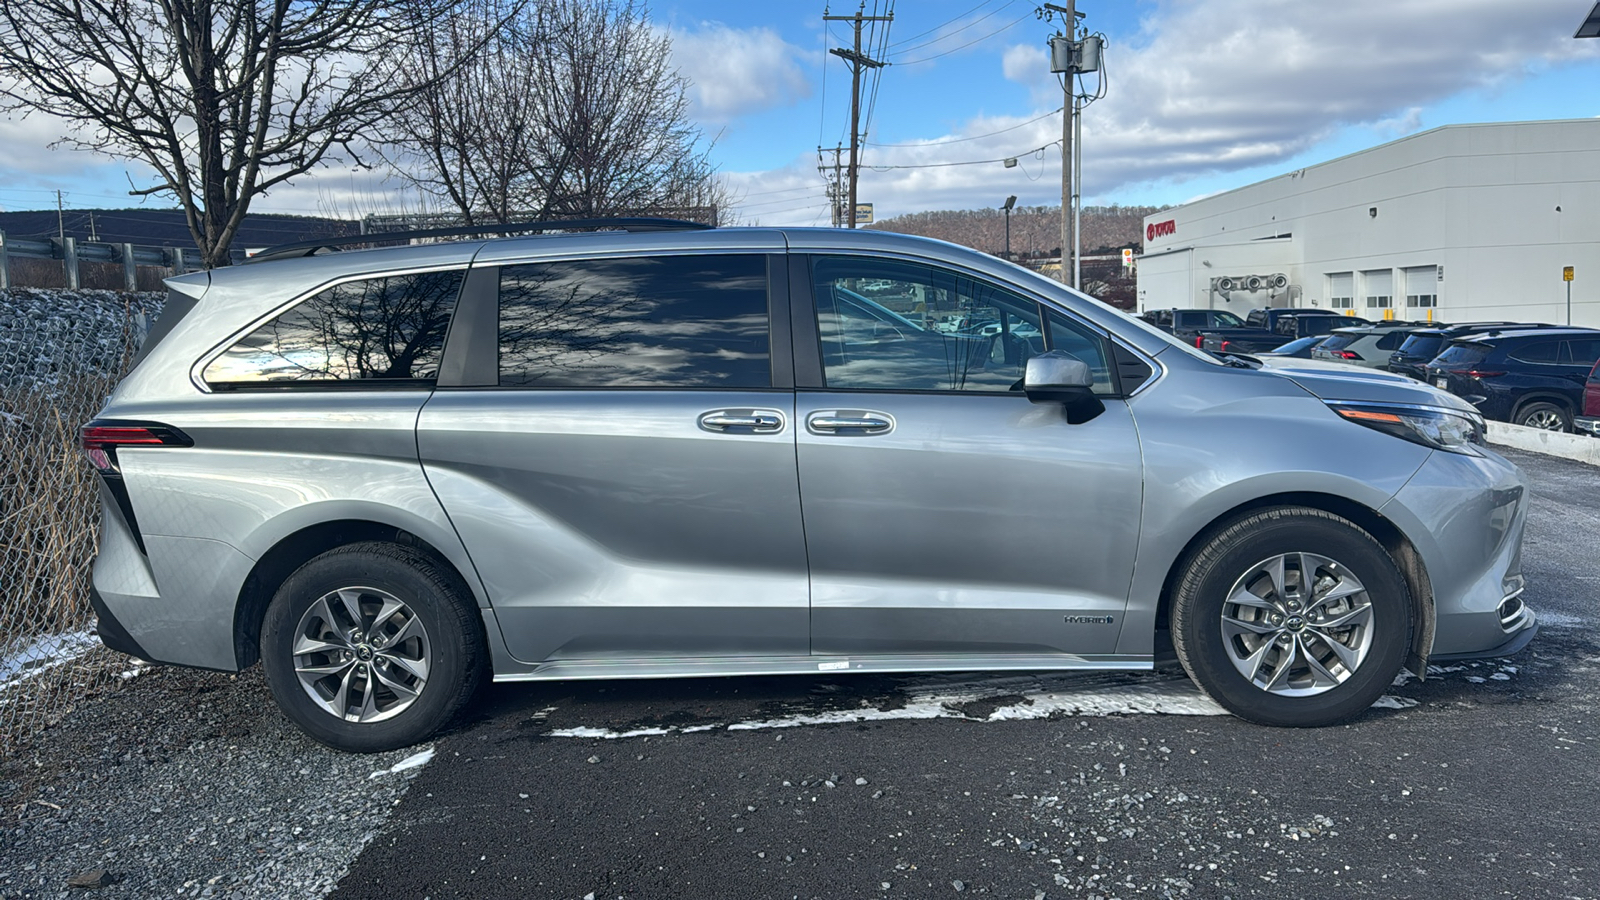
{"points": [[1531, 377], [1423, 345], [1589, 421], [686, 452], [1368, 346]]}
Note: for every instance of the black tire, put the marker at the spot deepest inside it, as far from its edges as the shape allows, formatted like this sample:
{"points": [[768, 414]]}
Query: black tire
{"points": [[1543, 415], [1236, 549], [453, 645]]}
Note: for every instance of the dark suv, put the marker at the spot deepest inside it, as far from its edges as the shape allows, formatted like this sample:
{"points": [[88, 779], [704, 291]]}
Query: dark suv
{"points": [[1531, 376], [1423, 345]]}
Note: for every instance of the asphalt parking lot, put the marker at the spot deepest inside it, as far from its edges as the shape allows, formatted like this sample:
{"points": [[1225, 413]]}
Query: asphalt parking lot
{"points": [[1475, 782]]}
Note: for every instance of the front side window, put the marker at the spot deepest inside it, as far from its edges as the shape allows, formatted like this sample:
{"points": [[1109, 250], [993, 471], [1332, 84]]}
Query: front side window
{"points": [[687, 322], [379, 332], [903, 326]]}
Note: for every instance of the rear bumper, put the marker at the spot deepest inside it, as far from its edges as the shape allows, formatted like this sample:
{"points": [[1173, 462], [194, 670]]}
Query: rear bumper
{"points": [[110, 629]]}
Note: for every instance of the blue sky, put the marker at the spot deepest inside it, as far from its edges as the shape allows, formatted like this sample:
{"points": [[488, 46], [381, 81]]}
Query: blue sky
{"points": [[1202, 96]]}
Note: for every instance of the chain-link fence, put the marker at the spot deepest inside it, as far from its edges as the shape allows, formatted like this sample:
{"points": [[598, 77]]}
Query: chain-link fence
{"points": [[61, 353]]}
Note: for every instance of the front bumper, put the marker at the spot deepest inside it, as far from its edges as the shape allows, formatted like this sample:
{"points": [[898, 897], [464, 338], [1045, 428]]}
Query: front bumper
{"points": [[1466, 515], [1586, 425]]}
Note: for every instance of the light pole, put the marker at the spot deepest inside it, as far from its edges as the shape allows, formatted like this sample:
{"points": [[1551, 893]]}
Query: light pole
{"points": [[1010, 202]]}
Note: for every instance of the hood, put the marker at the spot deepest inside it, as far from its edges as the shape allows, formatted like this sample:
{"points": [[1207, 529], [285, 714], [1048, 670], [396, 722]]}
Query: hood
{"points": [[1337, 381]]}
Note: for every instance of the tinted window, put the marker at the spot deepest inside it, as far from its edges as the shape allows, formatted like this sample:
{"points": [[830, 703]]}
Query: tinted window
{"points": [[1338, 341], [1584, 352], [375, 330], [923, 328], [1463, 355], [638, 322], [1538, 352], [1227, 320], [1192, 319], [1392, 340], [1422, 345]]}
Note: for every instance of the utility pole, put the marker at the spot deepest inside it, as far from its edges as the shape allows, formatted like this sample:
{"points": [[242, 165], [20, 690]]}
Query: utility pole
{"points": [[1070, 16], [857, 63], [835, 184], [1071, 56], [61, 218]]}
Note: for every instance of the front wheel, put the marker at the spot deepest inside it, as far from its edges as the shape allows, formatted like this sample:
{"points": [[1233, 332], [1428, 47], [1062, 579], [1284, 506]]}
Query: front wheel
{"points": [[1292, 616], [372, 647]]}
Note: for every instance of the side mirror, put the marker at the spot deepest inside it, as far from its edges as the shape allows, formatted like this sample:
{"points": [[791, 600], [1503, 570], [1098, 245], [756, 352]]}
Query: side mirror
{"points": [[1060, 377]]}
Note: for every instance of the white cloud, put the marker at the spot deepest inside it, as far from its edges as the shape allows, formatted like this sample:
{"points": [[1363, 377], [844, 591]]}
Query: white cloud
{"points": [[736, 72]]}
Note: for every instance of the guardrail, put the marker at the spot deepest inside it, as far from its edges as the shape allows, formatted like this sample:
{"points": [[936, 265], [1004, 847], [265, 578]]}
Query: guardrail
{"points": [[71, 252]]}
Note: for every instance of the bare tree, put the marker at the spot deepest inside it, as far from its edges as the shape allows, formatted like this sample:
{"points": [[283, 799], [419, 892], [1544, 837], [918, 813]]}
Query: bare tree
{"points": [[224, 99], [567, 108]]}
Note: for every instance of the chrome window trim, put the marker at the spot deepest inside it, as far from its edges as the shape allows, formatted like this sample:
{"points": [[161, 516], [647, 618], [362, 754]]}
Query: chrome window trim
{"points": [[196, 371]]}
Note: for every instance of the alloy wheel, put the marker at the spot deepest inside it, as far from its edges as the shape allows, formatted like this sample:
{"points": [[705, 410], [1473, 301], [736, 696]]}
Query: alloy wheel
{"points": [[361, 654], [1297, 624]]}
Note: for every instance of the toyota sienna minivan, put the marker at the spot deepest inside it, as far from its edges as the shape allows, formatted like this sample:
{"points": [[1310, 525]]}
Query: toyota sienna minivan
{"points": [[662, 450]]}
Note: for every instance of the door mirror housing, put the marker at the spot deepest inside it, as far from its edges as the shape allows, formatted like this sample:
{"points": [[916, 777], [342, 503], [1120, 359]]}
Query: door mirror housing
{"points": [[1060, 377]]}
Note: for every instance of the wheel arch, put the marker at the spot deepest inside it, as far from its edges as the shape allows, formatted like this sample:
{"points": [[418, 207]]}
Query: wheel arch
{"points": [[296, 549], [1543, 396], [1399, 547]]}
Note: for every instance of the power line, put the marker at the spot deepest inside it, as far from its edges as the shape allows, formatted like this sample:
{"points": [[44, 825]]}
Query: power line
{"points": [[1013, 24], [901, 49], [976, 137], [970, 162], [942, 24]]}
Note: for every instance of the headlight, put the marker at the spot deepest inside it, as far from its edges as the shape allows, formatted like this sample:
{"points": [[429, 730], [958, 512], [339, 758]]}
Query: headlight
{"points": [[1440, 429]]}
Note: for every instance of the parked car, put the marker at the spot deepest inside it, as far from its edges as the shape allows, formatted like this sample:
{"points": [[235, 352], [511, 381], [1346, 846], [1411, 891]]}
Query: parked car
{"points": [[1589, 420], [1267, 329], [1531, 377], [1299, 348], [1186, 324], [1368, 346], [685, 452], [1421, 346]]}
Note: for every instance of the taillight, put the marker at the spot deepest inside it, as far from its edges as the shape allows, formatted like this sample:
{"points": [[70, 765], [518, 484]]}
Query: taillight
{"points": [[1475, 373], [101, 440], [1346, 354], [1199, 341], [1226, 345]]}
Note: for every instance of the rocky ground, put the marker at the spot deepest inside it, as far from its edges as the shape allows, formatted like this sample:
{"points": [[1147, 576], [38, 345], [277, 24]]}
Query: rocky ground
{"points": [[1472, 783]]}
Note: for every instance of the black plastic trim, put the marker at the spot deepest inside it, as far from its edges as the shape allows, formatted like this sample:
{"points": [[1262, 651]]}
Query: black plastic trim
{"points": [[624, 223], [111, 631], [780, 347], [807, 340]]}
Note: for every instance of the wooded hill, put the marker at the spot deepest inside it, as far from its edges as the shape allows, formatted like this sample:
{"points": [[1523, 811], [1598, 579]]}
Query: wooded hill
{"points": [[1035, 230]]}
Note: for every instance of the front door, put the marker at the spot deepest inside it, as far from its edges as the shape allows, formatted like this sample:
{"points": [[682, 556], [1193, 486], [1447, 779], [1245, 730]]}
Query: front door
{"points": [[626, 484], [946, 515]]}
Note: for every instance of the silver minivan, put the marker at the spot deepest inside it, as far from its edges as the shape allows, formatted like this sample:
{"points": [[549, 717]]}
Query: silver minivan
{"points": [[668, 451]]}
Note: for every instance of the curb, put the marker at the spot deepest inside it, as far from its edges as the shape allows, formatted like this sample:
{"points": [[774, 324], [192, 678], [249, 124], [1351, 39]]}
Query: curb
{"points": [[1580, 447]]}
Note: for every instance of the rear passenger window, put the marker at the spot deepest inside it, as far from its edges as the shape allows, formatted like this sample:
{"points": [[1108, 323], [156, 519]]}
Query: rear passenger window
{"points": [[376, 332], [1541, 352], [695, 321]]}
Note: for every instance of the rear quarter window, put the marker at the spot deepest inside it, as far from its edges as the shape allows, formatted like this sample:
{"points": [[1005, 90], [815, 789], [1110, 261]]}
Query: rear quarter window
{"points": [[377, 332]]}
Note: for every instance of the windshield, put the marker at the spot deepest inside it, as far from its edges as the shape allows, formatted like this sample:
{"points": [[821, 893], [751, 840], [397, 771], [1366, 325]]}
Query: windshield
{"points": [[1296, 346], [1463, 354], [1421, 345], [1339, 341]]}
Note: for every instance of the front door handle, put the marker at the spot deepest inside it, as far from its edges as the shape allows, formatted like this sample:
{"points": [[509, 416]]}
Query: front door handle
{"points": [[759, 421], [849, 422]]}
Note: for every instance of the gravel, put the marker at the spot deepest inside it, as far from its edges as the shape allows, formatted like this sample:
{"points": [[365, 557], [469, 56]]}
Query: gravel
{"points": [[189, 784]]}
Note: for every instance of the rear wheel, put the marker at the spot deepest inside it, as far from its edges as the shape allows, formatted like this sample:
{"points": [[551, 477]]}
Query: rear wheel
{"points": [[1544, 416], [371, 647], [1292, 616]]}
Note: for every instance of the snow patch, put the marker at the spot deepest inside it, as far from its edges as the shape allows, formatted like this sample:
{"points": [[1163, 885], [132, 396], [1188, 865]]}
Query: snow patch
{"points": [[25, 659], [415, 760], [1389, 701]]}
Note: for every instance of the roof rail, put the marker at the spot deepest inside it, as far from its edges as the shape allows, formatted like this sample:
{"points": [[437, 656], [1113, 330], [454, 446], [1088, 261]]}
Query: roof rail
{"points": [[621, 223]]}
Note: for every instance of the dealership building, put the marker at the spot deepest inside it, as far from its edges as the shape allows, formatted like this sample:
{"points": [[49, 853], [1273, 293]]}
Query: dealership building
{"points": [[1460, 223]]}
